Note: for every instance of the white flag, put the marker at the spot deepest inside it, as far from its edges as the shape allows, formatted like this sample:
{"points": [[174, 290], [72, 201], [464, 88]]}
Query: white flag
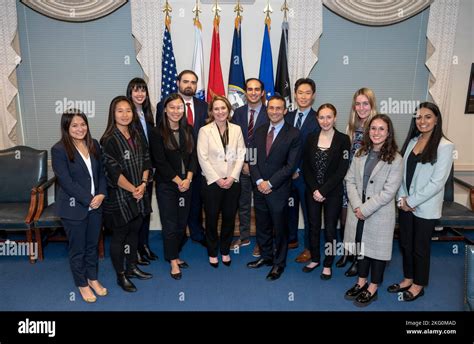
{"points": [[198, 60]]}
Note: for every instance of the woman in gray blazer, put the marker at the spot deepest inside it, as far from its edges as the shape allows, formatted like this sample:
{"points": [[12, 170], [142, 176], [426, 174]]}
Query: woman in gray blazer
{"points": [[372, 182], [428, 158]]}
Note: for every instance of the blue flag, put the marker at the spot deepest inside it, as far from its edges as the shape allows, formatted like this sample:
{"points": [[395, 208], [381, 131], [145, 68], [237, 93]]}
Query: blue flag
{"points": [[236, 93], [168, 67], [266, 63]]}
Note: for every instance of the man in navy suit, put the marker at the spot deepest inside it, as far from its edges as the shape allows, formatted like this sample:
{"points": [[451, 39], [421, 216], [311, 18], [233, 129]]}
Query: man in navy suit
{"points": [[278, 149], [249, 117], [304, 119], [196, 114]]}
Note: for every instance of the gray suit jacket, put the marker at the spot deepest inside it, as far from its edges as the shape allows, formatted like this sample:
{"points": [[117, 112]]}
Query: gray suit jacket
{"points": [[378, 209], [427, 186]]}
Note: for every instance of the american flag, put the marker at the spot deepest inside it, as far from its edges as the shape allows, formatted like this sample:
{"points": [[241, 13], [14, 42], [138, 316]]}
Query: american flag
{"points": [[168, 67]]}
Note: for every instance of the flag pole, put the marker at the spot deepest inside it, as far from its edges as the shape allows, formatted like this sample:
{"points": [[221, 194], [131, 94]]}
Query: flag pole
{"points": [[167, 10]]}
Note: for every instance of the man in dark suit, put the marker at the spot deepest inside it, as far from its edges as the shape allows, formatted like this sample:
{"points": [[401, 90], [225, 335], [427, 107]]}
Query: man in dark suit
{"points": [[249, 117], [196, 114], [304, 119], [278, 150]]}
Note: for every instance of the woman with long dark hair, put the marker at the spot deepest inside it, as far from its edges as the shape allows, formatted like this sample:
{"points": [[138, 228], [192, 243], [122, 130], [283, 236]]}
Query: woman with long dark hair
{"points": [[137, 92], [174, 157], [428, 158], [76, 161], [372, 182], [127, 165]]}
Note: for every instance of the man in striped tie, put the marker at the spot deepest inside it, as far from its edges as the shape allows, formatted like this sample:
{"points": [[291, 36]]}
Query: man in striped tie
{"points": [[249, 117]]}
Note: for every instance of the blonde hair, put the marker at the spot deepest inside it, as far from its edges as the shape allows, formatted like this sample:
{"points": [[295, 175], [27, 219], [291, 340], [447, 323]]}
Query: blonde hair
{"points": [[354, 118], [210, 118]]}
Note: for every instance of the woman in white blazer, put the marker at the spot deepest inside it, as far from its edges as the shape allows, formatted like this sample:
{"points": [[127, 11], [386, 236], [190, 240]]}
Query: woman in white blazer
{"points": [[428, 158], [221, 152], [372, 183]]}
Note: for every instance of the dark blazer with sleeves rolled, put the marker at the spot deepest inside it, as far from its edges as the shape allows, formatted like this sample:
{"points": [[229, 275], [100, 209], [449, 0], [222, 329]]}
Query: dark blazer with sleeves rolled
{"points": [[75, 182], [200, 115], [337, 164], [168, 161]]}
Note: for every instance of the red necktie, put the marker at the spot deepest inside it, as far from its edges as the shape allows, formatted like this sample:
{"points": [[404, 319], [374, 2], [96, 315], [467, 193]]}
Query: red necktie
{"points": [[251, 124], [270, 140], [190, 115]]}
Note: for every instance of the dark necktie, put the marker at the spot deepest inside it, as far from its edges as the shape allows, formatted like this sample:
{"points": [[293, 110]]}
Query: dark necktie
{"points": [[300, 119], [251, 124], [270, 140], [190, 115]]}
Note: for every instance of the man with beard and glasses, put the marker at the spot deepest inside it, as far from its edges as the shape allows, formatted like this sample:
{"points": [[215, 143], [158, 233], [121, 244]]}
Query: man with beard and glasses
{"points": [[196, 114]]}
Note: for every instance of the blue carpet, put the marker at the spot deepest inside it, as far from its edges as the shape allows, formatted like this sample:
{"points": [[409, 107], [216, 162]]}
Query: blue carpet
{"points": [[48, 285]]}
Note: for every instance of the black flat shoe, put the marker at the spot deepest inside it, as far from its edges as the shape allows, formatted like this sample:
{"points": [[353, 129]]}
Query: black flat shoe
{"points": [[408, 295], [137, 273], [325, 277], [395, 288], [365, 298], [352, 271], [352, 293], [308, 269]]}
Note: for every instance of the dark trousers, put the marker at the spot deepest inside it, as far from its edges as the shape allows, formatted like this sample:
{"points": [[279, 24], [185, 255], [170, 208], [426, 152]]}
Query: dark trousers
{"points": [[271, 215], [217, 200], [374, 266], [83, 237], [245, 205], [123, 246], [174, 209], [415, 242], [195, 214], [297, 196], [331, 208], [144, 232]]}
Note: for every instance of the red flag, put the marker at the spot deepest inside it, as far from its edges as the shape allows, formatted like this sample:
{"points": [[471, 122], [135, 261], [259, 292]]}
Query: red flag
{"points": [[215, 86]]}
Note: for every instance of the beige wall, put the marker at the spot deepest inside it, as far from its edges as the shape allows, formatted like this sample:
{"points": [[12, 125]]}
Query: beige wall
{"points": [[460, 126]]}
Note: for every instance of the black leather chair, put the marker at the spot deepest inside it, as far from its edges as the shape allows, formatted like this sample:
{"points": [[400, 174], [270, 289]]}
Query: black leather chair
{"points": [[22, 170], [46, 220], [455, 217]]}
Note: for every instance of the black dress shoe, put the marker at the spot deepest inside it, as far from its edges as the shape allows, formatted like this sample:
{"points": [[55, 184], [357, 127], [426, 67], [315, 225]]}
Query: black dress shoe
{"points": [[141, 260], [395, 288], [352, 293], [227, 263], [275, 273], [365, 298], [408, 295], [307, 269], [352, 271], [176, 276], [125, 283], [148, 254], [183, 265], [214, 265], [259, 263], [137, 273]]}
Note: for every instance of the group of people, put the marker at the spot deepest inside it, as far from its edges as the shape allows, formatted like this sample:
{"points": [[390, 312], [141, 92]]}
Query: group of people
{"points": [[211, 157]]}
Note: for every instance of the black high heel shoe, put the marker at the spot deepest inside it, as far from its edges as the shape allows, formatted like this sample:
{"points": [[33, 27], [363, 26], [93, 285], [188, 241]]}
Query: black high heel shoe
{"points": [[214, 265], [227, 263]]}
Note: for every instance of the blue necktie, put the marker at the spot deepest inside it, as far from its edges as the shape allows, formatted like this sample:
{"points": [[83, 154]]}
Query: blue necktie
{"points": [[300, 119]]}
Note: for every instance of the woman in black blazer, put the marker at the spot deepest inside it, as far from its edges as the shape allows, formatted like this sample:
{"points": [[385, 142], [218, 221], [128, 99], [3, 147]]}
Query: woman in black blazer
{"points": [[174, 157], [325, 163], [137, 92], [76, 161]]}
